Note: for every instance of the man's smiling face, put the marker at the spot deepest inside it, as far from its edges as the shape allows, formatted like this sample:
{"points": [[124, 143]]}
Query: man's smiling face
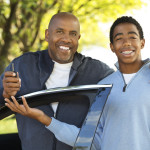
{"points": [[127, 44], [63, 35]]}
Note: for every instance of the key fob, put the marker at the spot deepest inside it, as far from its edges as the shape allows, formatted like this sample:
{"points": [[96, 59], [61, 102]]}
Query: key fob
{"points": [[13, 69]]}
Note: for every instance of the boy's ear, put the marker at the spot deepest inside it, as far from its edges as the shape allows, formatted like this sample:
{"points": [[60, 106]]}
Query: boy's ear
{"points": [[46, 35], [112, 47], [142, 43]]}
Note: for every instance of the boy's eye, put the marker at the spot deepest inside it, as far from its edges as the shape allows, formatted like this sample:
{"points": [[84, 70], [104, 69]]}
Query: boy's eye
{"points": [[132, 37], [118, 39]]}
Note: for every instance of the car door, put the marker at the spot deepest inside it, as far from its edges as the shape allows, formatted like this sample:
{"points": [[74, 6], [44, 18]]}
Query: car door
{"points": [[95, 94]]}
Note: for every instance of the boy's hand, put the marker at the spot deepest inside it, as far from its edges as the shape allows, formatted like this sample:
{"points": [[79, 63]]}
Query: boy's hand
{"points": [[25, 110]]}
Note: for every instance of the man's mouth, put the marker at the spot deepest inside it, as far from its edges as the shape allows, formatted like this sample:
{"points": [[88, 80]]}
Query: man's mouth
{"points": [[65, 48], [127, 52]]}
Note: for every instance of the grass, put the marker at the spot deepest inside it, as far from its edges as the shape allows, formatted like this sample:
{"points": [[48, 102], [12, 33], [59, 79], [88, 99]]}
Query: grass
{"points": [[8, 125]]}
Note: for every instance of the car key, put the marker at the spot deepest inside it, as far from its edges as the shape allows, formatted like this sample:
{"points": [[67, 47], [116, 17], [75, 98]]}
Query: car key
{"points": [[13, 69]]}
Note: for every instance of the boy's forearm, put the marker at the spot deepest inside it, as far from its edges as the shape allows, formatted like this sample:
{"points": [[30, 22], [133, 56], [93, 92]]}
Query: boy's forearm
{"points": [[44, 119]]}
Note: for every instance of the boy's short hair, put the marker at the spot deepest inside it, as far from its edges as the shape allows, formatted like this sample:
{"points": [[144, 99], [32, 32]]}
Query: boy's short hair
{"points": [[125, 19]]}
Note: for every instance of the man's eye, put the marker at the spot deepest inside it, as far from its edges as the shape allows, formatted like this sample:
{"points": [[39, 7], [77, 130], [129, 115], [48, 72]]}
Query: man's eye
{"points": [[73, 34], [59, 32]]}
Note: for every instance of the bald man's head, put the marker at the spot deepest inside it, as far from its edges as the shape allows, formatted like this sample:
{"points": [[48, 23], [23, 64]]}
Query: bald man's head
{"points": [[63, 15]]}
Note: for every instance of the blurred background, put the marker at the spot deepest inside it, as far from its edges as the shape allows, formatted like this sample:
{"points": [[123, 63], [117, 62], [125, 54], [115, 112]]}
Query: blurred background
{"points": [[104, 53], [23, 24]]}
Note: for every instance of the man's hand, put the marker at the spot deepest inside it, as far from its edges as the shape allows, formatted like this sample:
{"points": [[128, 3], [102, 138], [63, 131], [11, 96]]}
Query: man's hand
{"points": [[11, 84], [25, 110]]}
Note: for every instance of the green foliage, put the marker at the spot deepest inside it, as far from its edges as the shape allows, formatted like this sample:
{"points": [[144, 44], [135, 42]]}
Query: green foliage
{"points": [[23, 22], [8, 125]]}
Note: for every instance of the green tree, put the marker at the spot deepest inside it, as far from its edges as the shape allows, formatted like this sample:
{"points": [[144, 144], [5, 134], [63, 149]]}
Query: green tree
{"points": [[22, 22]]}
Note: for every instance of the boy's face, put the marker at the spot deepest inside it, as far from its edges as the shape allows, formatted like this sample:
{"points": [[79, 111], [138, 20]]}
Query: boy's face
{"points": [[127, 44]]}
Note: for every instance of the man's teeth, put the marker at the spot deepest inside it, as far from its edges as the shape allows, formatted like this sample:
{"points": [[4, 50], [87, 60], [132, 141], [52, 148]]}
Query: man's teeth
{"points": [[64, 47], [127, 52]]}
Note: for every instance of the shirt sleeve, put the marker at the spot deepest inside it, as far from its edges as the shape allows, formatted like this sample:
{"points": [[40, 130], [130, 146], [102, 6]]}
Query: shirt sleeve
{"points": [[64, 132]]}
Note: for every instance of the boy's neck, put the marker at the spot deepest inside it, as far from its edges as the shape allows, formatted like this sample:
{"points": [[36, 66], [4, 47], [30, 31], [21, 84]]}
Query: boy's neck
{"points": [[130, 68]]}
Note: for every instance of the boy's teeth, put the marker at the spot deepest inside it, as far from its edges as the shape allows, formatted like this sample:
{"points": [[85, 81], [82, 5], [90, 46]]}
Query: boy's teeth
{"points": [[127, 52], [64, 48]]}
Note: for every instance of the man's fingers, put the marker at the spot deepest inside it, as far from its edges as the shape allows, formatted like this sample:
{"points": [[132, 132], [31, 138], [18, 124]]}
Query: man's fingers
{"points": [[6, 95], [11, 85], [11, 80], [10, 91], [11, 77], [9, 74]]}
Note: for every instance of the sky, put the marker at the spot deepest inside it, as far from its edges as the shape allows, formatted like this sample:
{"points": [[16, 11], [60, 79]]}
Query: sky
{"points": [[142, 16]]}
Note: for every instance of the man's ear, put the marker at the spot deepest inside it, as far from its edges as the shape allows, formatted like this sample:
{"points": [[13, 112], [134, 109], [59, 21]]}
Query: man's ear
{"points": [[46, 35], [79, 37], [142, 43], [112, 47]]}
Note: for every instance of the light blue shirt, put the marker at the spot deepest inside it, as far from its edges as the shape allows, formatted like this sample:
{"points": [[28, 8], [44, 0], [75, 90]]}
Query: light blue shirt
{"points": [[68, 133], [125, 123], [64, 132]]}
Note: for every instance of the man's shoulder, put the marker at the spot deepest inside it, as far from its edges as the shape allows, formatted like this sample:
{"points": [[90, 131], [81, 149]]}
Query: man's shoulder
{"points": [[97, 64], [88, 59], [93, 65]]}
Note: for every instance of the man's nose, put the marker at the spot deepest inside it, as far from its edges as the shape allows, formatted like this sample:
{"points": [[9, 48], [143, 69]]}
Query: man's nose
{"points": [[66, 38]]}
